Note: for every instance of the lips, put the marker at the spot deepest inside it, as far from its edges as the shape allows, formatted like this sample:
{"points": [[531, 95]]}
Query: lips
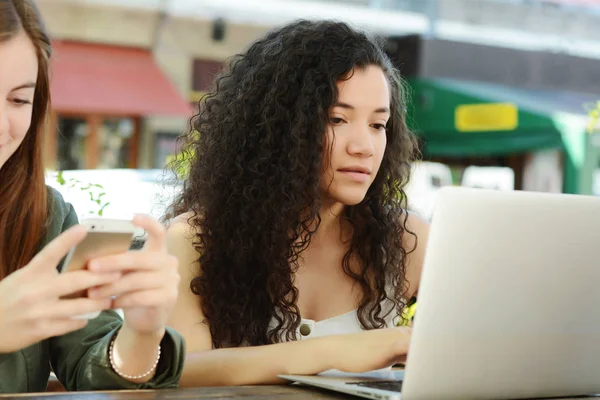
{"points": [[356, 173], [356, 169]]}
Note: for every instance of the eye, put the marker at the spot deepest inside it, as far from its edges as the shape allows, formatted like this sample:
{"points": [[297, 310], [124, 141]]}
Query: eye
{"points": [[378, 127], [21, 102], [336, 121]]}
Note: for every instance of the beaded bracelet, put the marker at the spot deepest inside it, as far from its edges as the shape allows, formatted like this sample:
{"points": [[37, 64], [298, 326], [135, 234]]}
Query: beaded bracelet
{"points": [[123, 375]]}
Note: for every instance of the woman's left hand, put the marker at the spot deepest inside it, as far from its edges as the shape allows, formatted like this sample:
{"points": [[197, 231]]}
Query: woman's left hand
{"points": [[147, 292]]}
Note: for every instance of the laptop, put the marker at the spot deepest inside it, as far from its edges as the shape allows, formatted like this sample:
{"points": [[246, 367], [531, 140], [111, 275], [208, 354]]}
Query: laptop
{"points": [[509, 302]]}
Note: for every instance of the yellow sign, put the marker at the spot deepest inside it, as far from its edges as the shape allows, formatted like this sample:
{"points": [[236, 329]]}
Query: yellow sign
{"points": [[486, 117]]}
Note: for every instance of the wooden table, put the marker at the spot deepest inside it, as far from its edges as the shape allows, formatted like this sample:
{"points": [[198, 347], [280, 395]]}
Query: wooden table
{"points": [[286, 392]]}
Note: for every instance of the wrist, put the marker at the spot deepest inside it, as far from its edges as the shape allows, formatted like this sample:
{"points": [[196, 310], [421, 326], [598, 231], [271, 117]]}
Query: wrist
{"points": [[134, 336], [328, 349], [123, 369], [134, 355]]}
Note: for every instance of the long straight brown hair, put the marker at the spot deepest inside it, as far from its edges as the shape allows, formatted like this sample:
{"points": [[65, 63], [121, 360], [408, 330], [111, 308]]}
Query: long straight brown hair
{"points": [[23, 193]]}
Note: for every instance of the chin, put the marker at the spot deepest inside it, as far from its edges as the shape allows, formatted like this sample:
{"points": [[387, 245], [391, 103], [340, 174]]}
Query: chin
{"points": [[350, 199]]}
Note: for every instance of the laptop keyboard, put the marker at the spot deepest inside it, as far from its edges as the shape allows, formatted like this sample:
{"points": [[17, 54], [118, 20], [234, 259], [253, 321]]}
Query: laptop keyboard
{"points": [[394, 386]]}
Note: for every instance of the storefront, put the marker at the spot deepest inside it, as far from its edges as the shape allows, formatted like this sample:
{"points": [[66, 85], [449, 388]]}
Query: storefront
{"points": [[100, 97], [479, 123]]}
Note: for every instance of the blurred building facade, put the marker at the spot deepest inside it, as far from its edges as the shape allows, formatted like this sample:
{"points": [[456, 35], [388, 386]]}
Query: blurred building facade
{"points": [[156, 58], [123, 81]]}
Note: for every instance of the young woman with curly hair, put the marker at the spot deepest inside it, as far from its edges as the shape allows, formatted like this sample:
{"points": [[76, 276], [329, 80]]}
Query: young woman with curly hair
{"points": [[292, 223]]}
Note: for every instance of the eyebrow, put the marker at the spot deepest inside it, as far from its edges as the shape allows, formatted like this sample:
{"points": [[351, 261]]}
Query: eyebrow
{"points": [[28, 85], [381, 110]]}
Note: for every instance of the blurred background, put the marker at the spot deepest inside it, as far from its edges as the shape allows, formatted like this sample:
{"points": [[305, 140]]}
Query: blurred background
{"points": [[502, 92]]}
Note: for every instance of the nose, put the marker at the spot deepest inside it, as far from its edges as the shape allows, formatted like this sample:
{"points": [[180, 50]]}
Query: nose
{"points": [[360, 142], [3, 119]]}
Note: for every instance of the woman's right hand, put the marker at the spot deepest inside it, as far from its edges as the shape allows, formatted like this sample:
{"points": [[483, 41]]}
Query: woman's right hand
{"points": [[371, 350], [31, 307]]}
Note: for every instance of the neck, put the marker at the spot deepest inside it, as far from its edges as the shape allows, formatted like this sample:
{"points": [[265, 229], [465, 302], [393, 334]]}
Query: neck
{"points": [[332, 225]]}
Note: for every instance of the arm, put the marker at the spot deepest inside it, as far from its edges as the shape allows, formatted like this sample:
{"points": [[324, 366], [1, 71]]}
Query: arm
{"points": [[80, 359], [259, 364], [205, 366]]}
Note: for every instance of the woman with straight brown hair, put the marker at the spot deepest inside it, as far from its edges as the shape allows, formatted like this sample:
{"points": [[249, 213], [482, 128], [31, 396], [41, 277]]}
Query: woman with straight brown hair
{"points": [[39, 330]]}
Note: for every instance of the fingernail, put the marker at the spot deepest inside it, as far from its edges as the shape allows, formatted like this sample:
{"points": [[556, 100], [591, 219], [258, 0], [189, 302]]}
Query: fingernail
{"points": [[93, 293], [94, 265]]}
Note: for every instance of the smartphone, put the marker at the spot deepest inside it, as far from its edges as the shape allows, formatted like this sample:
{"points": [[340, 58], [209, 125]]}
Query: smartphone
{"points": [[105, 237]]}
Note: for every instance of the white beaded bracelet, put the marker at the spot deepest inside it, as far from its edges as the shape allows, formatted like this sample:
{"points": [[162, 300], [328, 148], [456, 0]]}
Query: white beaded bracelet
{"points": [[123, 375]]}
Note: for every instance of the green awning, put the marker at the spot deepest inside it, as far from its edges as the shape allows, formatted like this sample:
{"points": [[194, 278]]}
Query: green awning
{"points": [[543, 119]]}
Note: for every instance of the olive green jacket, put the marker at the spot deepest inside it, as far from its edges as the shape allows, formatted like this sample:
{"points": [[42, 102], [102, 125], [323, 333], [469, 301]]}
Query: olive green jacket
{"points": [[80, 359]]}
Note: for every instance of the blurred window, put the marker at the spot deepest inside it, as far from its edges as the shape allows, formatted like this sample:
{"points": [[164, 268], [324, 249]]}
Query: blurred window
{"points": [[115, 143], [72, 133], [204, 72]]}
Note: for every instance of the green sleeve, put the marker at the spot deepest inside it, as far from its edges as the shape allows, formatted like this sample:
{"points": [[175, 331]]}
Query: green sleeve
{"points": [[80, 359]]}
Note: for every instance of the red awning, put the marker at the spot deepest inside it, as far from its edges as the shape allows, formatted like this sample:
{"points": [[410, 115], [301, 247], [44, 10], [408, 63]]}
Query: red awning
{"points": [[103, 79]]}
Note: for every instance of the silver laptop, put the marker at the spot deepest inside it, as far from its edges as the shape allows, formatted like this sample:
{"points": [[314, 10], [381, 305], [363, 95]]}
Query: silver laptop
{"points": [[509, 302]]}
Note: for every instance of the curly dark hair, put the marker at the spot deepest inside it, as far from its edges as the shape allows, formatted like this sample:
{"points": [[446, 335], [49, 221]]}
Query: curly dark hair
{"points": [[256, 150]]}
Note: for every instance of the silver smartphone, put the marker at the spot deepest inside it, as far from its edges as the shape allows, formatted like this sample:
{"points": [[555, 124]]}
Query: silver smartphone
{"points": [[105, 237]]}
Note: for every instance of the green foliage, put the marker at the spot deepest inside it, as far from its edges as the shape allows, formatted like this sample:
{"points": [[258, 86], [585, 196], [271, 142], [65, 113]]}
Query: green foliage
{"points": [[95, 191], [181, 163], [593, 110]]}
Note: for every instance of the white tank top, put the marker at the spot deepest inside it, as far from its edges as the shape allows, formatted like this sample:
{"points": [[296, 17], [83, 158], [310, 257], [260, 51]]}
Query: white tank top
{"points": [[341, 324], [345, 323]]}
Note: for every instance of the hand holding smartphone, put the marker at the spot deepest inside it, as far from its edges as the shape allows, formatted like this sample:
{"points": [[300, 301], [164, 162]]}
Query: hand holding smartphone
{"points": [[105, 237]]}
